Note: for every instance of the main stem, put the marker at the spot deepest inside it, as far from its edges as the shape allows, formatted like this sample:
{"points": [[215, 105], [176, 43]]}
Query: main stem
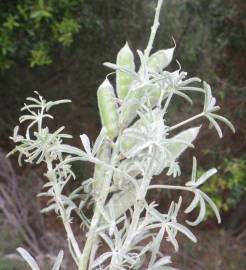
{"points": [[153, 29], [92, 236], [138, 204], [84, 259]]}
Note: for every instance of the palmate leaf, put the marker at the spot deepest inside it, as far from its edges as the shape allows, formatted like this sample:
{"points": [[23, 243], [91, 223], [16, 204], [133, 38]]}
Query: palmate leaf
{"points": [[200, 197], [209, 109]]}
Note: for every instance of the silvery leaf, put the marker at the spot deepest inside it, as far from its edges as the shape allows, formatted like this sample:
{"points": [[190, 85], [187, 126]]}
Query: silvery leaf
{"points": [[161, 262], [108, 241], [193, 204], [102, 259], [183, 95], [188, 136], [58, 261], [86, 143], [201, 215], [171, 238], [216, 125], [99, 141], [184, 230], [212, 205], [223, 119], [28, 258], [52, 207], [205, 177]]}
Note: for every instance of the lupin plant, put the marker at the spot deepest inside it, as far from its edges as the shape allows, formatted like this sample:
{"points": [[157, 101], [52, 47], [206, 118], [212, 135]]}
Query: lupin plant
{"points": [[135, 144]]}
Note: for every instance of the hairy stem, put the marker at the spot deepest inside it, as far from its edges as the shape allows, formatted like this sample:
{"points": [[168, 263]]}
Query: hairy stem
{"points": [[153, 29], [92, 236], [70, 235], [170, 187], [186, 121], [138, 204]]}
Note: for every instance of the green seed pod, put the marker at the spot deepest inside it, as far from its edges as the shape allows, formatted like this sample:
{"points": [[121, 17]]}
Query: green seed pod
{"points": [[108, 108], [100, 171], [134, 99], [125, 59], [121, 201], [126, 142], [160, 60]]}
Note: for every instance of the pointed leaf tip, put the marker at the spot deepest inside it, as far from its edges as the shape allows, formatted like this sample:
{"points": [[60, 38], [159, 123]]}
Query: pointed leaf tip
{"points": [[28, 258], [86, 143]]}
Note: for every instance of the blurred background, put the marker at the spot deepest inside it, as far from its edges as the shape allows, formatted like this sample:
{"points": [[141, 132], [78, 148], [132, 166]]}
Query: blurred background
{"points": [[57, 47]]}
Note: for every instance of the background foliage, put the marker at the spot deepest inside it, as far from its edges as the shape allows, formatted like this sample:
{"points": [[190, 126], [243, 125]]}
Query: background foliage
{"points": [[57, 47]]}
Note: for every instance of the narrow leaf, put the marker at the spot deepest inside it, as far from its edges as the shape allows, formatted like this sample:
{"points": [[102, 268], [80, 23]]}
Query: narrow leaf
{"points": [[58, 261], [28, 258], [102, 259], [185, 231], [212, 205], [205, 177], [86, 143], [201, 214], [193, 204]]}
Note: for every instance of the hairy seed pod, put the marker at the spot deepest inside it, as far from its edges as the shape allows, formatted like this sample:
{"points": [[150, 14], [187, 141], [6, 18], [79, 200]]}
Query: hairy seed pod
{"points": [[126, 143], [160, 60], [137, 96], [120, 202], [125, 59], [108, 108], [100, 171], [154, 119]]}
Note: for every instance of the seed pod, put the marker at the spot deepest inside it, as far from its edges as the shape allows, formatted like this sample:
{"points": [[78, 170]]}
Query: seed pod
{"points": [[120, 202], [160, 60], [100, 171], [185, 138], [134, 99], [125, 59], [128, 142], [108, 108]]}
